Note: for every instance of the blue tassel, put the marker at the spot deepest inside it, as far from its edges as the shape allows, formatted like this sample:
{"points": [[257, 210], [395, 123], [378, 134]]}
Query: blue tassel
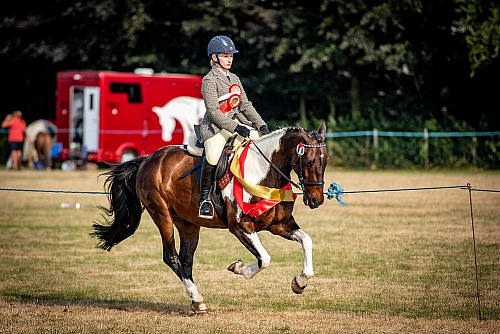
{"points": [[335, 190]]}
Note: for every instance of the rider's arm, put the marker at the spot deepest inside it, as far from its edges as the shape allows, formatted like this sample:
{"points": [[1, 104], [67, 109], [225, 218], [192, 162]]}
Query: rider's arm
{"points": [[248, 110], [210, 96]]}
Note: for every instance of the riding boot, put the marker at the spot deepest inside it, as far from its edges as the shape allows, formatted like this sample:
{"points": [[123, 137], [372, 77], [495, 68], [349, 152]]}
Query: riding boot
{"points": [[207, 179]]}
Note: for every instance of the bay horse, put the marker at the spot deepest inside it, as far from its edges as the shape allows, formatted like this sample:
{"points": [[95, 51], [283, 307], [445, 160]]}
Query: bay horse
{"points": [[154, 183]]}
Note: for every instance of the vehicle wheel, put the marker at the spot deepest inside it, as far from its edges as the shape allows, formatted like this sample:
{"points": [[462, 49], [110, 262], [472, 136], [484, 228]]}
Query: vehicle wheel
{"points": [[128, 155]]}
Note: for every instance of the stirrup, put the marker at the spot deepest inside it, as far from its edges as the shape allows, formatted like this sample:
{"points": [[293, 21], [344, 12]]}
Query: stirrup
{"points": [[212, 210]]}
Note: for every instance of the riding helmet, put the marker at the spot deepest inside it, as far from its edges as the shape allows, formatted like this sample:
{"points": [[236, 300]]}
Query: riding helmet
{"points": [[221, 44]]}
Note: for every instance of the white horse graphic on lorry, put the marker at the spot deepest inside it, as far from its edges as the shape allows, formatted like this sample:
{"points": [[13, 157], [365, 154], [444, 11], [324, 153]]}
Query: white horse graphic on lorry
{"points": [[187, 110]]}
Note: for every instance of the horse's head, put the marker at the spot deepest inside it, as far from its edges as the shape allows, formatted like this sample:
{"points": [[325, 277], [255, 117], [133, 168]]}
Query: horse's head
{"points": [[311, 159], [167, 122]]}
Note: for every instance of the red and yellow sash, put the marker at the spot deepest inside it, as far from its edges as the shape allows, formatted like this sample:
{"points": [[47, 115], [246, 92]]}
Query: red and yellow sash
{"points": [[270, 196]]}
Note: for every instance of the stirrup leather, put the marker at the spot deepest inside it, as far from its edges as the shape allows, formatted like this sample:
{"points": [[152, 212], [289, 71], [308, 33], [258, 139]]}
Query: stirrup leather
{"points": [[211, 210]]}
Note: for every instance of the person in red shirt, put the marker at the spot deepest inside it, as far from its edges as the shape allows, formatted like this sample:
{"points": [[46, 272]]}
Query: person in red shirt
{"points": [[16, 126]]}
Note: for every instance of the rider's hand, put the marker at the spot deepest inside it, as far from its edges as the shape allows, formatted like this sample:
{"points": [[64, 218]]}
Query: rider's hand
{"points": [[243, 131], [264, 130]]}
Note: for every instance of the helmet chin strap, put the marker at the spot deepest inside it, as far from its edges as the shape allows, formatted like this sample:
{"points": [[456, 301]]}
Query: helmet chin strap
{"points": [[218, 62]]}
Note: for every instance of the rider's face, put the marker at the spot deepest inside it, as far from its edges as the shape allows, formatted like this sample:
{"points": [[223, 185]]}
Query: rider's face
{"points": [[226, 60]]}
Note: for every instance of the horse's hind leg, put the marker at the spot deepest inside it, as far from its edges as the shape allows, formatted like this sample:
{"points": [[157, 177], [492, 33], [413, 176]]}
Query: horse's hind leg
{"points": [[163, 219], [189, 235], [291, 231]]}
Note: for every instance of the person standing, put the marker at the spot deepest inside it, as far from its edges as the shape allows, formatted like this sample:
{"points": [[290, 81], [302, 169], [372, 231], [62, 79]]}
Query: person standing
{"points": [[218, 125], [17, 127]]}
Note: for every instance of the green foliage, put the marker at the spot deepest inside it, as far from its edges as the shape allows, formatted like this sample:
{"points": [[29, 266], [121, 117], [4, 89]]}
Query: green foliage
{"points": [[481, 21]]}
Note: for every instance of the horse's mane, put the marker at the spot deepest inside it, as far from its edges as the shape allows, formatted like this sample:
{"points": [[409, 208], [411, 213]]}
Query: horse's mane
{"points": [[292, 130]]}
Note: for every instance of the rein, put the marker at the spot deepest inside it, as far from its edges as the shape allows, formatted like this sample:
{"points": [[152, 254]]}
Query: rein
{"points": [[277, 169], [300, 152]]}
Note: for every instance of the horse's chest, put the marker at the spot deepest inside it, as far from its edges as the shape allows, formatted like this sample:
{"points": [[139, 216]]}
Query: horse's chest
{"points": [[280, 214]]}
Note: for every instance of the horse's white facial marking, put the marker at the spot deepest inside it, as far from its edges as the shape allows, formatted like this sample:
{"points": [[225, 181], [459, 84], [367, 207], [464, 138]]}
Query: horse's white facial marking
{"points": [[187, 110], [192, 291]]}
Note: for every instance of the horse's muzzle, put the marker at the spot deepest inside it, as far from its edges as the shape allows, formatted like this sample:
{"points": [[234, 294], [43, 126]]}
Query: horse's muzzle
{"points": [[313, 202]]}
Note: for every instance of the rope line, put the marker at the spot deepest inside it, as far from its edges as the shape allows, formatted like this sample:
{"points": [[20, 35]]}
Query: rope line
{"points": [[332, 190], [400, 189], [488, 190], [57, 191]]}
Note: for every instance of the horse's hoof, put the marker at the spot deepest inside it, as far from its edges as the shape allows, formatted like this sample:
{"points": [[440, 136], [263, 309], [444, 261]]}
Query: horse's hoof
{"points": [[199, 308], [296, 288], [236, 267]]}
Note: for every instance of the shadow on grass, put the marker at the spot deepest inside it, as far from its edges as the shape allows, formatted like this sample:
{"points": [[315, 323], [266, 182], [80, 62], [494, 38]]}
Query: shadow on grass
{"points": [[112, 304]]}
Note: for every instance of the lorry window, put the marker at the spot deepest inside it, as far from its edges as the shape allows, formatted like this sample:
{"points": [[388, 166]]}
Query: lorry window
{"points": [[132, 90]]}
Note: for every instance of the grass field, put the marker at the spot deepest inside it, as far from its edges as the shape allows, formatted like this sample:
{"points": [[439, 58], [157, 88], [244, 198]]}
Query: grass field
{"points": [[388, 262]]}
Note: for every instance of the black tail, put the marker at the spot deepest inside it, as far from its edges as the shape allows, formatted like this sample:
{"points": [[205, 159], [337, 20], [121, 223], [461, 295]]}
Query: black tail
{"points": [[124, 204]]}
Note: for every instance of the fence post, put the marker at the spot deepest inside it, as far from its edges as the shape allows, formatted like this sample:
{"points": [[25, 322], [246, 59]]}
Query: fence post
{"points": [[426, 148], [366, 153], [375, 147], [330, 146]]}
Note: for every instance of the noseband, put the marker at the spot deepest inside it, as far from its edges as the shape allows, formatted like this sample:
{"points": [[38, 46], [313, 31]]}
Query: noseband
{"points": [[301, 147]]}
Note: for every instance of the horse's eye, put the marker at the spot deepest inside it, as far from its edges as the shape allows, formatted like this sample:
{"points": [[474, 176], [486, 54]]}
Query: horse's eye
{"points": [[309, 163]]}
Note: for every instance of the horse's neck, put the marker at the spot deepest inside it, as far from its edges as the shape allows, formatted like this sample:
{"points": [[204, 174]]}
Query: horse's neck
{"points": [[187, 120], [277, 147]]}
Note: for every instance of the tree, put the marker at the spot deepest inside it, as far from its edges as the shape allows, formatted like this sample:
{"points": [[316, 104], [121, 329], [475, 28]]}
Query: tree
{"points": [[480, 21]]}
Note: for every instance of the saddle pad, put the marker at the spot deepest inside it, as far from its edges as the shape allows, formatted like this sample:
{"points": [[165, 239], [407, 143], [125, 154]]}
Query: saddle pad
{"points": [[226, 178]]}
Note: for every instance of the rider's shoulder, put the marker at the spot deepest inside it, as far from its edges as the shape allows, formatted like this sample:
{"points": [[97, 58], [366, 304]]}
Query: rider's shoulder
{"points": [[208, 80], [210, 75]]}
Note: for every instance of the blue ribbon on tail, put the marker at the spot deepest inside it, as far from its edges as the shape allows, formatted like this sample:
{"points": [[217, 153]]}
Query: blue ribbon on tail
{"points": [[335, 190]]}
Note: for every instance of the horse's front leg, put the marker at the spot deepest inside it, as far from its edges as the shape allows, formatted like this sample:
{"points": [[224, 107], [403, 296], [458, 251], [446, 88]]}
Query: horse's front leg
{"points": [[291, 231], [251, 241]]}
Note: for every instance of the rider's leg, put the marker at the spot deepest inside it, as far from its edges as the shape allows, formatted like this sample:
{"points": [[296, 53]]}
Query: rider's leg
{"points": [[207, 179], [213, 150]]}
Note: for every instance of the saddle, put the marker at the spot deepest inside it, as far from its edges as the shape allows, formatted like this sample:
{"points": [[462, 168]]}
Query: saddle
{"points": [[223, 174]]}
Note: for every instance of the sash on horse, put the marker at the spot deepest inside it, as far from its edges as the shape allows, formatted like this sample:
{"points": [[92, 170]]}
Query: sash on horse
{"points": [[270, 196], [233, 166]]}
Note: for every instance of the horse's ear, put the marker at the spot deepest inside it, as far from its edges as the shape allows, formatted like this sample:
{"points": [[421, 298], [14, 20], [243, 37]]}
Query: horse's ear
{"points": [[302, 132], [322, 131]]}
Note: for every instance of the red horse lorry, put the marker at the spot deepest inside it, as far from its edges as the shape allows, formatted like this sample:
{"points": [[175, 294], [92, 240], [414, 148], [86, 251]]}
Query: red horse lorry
{"points": [[115, 116]]}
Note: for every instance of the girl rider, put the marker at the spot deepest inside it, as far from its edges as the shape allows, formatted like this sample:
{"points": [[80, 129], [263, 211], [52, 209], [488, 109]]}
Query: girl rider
{"points": [[217, 126]]}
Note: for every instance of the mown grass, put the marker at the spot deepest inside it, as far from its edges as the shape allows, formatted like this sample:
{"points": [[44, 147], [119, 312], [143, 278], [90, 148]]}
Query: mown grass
{"points": [[387, 262]]}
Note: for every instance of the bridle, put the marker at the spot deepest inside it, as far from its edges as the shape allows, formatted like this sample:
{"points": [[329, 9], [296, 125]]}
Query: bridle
{"points": [[300, 149]]}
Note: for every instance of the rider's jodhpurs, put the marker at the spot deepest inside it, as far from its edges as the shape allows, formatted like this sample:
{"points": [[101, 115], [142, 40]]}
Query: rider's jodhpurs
{"points": [[214, 145]]}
